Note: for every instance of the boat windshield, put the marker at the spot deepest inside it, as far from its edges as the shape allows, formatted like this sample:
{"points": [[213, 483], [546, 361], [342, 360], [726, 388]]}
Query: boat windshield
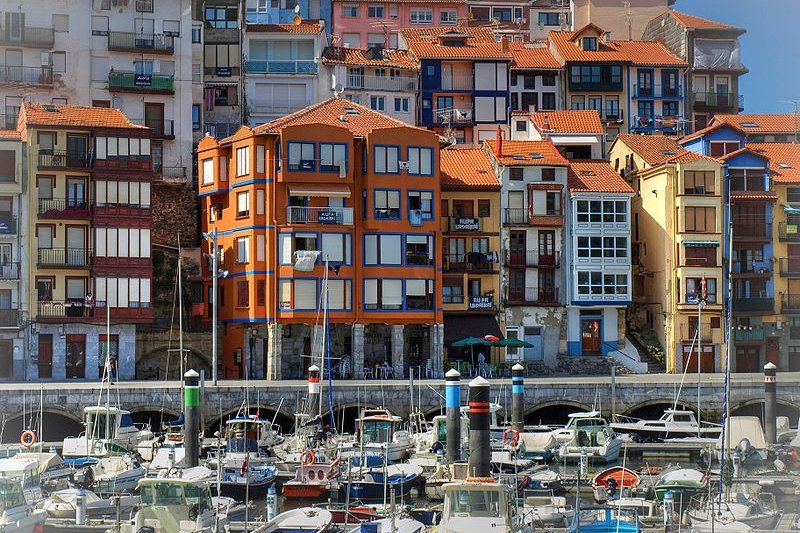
{"points": [[175, 494], [474, 503], [96, 426], [11, 496], [377, 431], [441, 430]]}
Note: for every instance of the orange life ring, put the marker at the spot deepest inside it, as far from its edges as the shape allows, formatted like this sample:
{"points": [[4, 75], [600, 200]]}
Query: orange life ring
{"points": [[511, 437], [28, 438], [308, 458]]}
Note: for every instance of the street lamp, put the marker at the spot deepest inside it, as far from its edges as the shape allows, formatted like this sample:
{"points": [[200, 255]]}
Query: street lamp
{"points": [[216, 275]]}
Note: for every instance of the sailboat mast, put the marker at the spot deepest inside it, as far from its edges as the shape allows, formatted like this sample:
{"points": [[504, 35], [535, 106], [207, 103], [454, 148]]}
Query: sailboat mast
{"points": [[725, 441], [323, 369], [700, 347], [328, 346], [108, 369], [180, 310]]}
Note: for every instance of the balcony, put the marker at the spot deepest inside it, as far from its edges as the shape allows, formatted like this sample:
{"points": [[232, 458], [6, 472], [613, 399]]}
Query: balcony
{"points": [[469, 262], [458, 82], [666, 124], [751, 230], [718, 100], [464, 224], [73, 310], [60, 208], [382, 83], [162, 129], [516, 216], [688, 332], [64, 257], [453, 116], [17, 75], [656, 91], [10, 318], [306, 66], [532, 296], [27, 36], [63, 159], [141, 83], [273, 108], [789, 232], [125, 41], [172, 173], [754, 305], [790, 266], [748, 333], [532, 258], [752, 268], [101, 210], [691, 298], [319, 215], [9, 271], [8, 224], [790, 303]]}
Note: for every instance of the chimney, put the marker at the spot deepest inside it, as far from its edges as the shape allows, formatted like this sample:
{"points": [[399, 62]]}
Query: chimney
{"points": [[499, 142], [546, 122], [504, 44]]}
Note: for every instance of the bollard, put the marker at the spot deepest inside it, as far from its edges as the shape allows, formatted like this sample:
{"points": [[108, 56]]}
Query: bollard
{"points": [[669, 510], [452, 392], [517, 397], [480, 453], [191, 405], [770, 402], [272, 503], [314, 388], [80, 507]]}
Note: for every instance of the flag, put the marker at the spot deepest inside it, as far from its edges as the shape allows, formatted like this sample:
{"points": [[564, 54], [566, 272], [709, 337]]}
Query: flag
{"points": [[244, 465], [258, 413], [703, 291]]}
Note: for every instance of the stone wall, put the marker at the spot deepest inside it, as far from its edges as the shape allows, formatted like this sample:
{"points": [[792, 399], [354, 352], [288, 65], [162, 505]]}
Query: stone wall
{"points": [[174, 209]]}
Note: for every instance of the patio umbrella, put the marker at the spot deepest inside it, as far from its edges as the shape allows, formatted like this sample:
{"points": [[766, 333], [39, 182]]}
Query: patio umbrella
{"points": [[471, 342], [512, 342]]}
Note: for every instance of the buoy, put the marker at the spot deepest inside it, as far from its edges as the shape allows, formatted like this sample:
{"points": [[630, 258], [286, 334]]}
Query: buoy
{"points": [[28, 438]]}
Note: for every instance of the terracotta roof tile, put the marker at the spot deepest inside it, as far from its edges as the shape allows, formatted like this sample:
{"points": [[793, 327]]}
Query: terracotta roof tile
{"points": [[754, 195], [9, 135], [570, 51], [637, 52], [745, 150], [480, 43], [784, 160], [567, 121], [454, 2], [430, 33], [533, 56], [463, 168], [362, 57], [650, 53], [307, 26], [762, 123], [659, 149], [708, 129], [595, 175], [519, 153], [691, 21], [75, 116]]}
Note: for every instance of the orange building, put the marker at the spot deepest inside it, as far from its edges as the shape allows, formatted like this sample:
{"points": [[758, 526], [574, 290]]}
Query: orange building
{"points": [[357, 186]]}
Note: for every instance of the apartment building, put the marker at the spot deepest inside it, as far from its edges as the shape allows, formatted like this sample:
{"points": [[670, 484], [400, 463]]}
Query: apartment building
{"points": [[464, 80], [285, 12], [384, 80], [506, 18], [357, 186], [282, 69], [535, 78], [549, 15], [533, 175], [223, 79], [134, 56], [578, 134], [88, 200], [13, 257], [470, 225], [622, 22], [677, 248], [713, 53]]}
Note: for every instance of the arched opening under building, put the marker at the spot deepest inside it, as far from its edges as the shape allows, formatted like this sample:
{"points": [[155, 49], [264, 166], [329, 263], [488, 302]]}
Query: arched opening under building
{"points": [[756, 408], [55, 426], [281, 419], [164, 363], [553, 413], [654, 410]]}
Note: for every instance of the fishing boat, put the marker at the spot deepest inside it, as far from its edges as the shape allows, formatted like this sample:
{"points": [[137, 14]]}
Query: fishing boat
{"points": [[112, 475], [246, 471], [614, 482], [391, 525], [379, 432], [313, 480], [355, 514], [63, 504], [589, 433], [674, 423], [379, 483], [26, 472], [646, 510], [684, 483], [436, 432], [444, 474], [605, 520], [107, 431], [16, 514], [301, 520], [538, 446], [474, 506]]}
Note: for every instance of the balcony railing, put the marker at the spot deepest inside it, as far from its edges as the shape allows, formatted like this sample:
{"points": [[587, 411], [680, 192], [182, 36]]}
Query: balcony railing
{"points": [[10, 318], [272, 108], [172, 172], [753, 304], [656, 91], [8, 224], [64, 208], [380, 306], [790, 303], [516, 215], [63, 159], [9, 271], [458, 82], [749, 333], [469, 262], [692, 298], [280, 67], [27, 35], [453, 116], [720, 100], [789, 232], [533, 296], [790, 266], [752, 267], [127, 41], [743, 229], [65, 257], [133, 82], [688, 332], [657, 123], [532, 258], [160, 127], [16, 75], [319, 215], [382, 83]]}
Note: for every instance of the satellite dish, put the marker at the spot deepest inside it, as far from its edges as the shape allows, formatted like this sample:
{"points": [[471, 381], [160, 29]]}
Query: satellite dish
{"points": [[297, 19], [338, 89]]}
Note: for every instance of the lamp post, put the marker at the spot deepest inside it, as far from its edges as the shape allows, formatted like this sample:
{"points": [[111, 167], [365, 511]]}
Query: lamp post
{"points": [[215, 275]]}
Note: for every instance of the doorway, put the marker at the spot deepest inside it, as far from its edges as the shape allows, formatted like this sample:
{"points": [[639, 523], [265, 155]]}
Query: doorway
{"points": [[45, 361], [76, 356], [748, 359], [547, 254], [154, 118], [591, 339]]}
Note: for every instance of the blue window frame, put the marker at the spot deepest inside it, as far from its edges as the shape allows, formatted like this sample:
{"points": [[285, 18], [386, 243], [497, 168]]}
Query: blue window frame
{"points": [[383, 294], [420, 161], [289, 299], [669, 108], [387, 204], [420, 202], [419, 249], [418, 295], [645, 112], [337, 248], [401, 105], [383, 249], [669, 82], [302, 156], [331, 155], [549, 19], [644, 82], [387, 159]]}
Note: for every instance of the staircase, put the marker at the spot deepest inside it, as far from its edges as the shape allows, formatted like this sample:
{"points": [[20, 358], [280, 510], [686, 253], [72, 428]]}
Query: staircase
{"points": [[654, 364]]}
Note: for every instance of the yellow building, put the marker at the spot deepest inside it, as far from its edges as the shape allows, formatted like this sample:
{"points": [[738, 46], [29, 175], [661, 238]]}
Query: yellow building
{"points": [[677, 248], [470, 218]]}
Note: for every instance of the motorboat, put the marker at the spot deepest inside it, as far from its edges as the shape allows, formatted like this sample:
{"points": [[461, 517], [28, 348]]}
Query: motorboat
{"points": [[63, 503], [391, 525], [475, 506], [301, 520], [543, 477], [51, 470], [444, 474], [674, 423], [613, 482], [247, 482], [605, 520], [588, 433], [749, 444], [26, 472], [112, 475], [647, 510], [507, 461], [16, 514], [437, 433], [378, 432], [544, 509], [684, 484], [538, 446], [313, 480], [166, 459], [756, 512], [107, 431], [379, 483]]}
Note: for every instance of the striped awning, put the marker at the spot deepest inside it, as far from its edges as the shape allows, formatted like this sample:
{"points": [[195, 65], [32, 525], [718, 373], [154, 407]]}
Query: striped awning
{"points": [[700, 243], [335, 190]]}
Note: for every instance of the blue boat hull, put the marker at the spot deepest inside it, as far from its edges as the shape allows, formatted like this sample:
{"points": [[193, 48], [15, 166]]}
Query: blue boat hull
{"points": [[373, 490]]}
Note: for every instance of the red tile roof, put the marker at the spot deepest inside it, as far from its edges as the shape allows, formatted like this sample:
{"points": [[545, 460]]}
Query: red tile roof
{"points": [[307, 26], [745, 150], [658, 149], [595, 175], [533, 56], [519, 153], [9, 135], [764, 122], [363, 58], [454, 2], [691, 21], [480, 43], [708, 129], [467, 168], [358, 119], [754, 195], [567, 50], [784, 160], [568, 121], [75, 116], [431, 33], [651, 53], [637, 52]]}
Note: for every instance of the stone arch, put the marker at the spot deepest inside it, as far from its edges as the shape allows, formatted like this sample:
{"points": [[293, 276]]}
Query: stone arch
{"points": [[345, 414], [654, 408], [755, 407], [153, 415], [151, 365], [57, 423], [553, 411], [285, 419]]}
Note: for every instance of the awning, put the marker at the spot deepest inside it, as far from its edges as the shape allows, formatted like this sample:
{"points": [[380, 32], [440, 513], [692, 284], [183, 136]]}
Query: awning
{"points": [[459, 327], [335, 190], [700, 243], [574, 139]]}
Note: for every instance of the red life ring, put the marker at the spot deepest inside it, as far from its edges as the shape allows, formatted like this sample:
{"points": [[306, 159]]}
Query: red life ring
{"points": [[308, 458], [511, 437], [28, 438]]}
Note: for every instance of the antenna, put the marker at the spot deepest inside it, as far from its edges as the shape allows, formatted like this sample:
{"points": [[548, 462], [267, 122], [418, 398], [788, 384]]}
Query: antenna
{"points": [[628, 18], [795, 103]]}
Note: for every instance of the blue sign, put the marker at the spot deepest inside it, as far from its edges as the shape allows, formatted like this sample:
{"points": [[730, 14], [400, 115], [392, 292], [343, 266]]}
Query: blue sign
{"points": [[327, 217], [143, 80], [481, 302], [466, 224], [224, 72]]}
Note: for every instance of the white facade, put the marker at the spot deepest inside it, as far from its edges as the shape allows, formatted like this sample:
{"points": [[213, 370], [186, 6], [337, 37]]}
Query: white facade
{"points": [[572, 145], [391, 91], [535, 90], [135, 56]]}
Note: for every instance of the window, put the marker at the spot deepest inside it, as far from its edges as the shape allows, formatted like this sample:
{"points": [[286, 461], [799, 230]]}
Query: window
{"points": [[301, 157], [243, 249], [793, 194], [612, 107], [615, 247], [694, 290], [99, 25], [596, 104], [522, 125], [336, 248], [243, 204], [419, 249], [243, 294], [59, 60], [261, 292], [383, 249], [332, 157], [243, 161], [197, 33], [577, 102], [421, 201], [383, 294], [548, 174], [375, 11], [377, 103], [590, 246], [548, 101], [144, 6], [741, 179], [207, 170], [420, 161], [602, 211], [720, 148], [8, 166], [549, 19], [421, 16], [484, 208], [503, 14], [387, 204], [553, 203], [195, 117], [698, 182], [447, 16], [669, 109], [401, 105], [221, 17], [289, 243], [700, 256], [419, 294], [387, 159], [453, 291], [60, 23], [700, 220], [590, 43], [340, 294], [350, 10], [598, 283], [516, 173], [615, 211]]}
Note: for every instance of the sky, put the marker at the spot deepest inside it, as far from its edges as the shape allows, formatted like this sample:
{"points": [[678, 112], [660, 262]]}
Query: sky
{"points": [[769, 48]]}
